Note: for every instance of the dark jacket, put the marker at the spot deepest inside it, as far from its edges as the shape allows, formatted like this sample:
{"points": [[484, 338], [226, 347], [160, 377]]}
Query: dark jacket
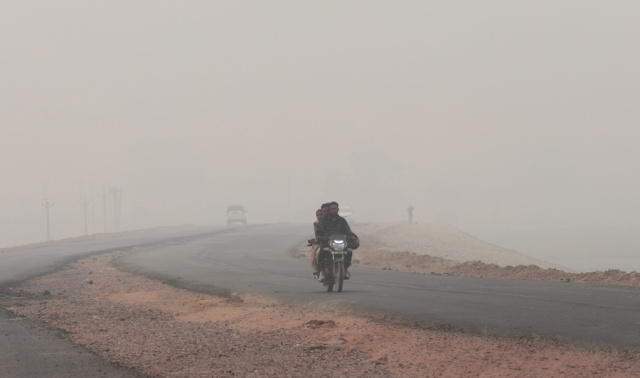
{"points": [[318, 230], [334, 224]]}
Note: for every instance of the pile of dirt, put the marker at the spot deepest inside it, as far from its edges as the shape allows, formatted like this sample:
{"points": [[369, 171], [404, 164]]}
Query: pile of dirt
{"points": [[432, 248], [441, 240]]}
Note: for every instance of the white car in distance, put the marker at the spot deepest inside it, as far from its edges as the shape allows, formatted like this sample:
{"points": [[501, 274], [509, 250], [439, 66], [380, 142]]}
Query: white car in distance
{"points": [[236, 214], [348, 214]]}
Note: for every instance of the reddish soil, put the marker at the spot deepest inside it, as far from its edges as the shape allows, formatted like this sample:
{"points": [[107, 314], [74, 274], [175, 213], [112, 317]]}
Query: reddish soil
{"points": [[163, 331]]}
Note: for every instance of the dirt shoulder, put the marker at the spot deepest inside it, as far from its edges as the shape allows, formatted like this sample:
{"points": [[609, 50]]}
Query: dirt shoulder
{"points": [[432, 248], [163, 331]]}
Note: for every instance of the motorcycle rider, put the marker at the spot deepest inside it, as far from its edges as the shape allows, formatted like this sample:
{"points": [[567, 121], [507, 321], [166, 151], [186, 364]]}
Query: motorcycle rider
{"points": [[335, 224]]}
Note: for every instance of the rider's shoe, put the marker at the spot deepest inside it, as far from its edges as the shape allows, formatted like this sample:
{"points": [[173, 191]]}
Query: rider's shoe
{"points": [[317, 275], [347, 275]]}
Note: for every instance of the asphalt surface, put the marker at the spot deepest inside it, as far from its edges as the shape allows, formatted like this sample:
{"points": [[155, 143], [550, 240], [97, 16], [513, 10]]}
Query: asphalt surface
{"points": [[33, 349], [259, 259]]}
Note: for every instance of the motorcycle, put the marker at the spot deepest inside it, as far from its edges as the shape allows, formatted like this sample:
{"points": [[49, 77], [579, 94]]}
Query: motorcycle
{"points": [[332, 264]]}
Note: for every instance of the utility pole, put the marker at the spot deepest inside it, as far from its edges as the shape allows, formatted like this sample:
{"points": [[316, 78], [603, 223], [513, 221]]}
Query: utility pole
{"points": [[120, 209], [104, 207], [117, 200], [116, 193], [94, 222], [84, 205], [289, 201], [47, 205]]}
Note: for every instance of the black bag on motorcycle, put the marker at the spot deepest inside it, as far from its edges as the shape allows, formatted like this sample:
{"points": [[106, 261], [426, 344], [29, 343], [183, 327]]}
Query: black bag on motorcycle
{"points": [[353, 241]]}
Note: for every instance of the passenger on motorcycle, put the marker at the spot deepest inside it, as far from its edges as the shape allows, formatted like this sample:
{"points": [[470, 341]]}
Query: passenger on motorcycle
{"points": [[317, 228]]}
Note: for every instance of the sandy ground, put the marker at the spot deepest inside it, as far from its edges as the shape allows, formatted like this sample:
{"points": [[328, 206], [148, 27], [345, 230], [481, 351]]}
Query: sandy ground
{"points": [[163, 331], [433, 248]]}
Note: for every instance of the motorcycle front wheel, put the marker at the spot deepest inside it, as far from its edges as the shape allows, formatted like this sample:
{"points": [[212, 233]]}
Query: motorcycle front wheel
{"points": [[339, 275], [330, 284], [329, 277]]}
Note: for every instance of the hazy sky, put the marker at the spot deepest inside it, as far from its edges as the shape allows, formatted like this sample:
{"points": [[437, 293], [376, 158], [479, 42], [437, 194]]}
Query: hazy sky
{"points": [[487, 114]]}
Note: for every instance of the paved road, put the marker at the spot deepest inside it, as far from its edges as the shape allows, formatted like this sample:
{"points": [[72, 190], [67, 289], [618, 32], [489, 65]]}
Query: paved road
{"points": [[257, 259], [33, 349], [21, 264]]}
